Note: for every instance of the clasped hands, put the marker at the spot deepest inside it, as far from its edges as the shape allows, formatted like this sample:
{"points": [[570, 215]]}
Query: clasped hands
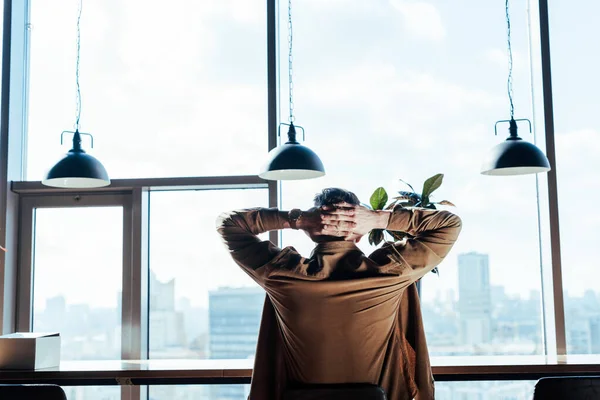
{"points": [[342, 220]]}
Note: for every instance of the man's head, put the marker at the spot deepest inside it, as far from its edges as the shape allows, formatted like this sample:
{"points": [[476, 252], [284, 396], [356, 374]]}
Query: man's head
{"points": [[330, 197]]}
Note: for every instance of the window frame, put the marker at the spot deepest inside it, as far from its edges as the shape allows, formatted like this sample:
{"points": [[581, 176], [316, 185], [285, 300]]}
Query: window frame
{"points": [[27, 217]]}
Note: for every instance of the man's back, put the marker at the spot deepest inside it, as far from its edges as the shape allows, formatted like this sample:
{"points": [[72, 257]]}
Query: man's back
{"points": [[336, 322]]}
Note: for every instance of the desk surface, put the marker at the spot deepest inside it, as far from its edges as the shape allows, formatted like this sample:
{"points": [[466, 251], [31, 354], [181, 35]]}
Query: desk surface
{"points": [[165, 372]]}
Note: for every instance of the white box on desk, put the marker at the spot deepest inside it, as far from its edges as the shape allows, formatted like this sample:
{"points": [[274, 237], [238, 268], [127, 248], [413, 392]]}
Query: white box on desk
{"points": [[29, 350]]}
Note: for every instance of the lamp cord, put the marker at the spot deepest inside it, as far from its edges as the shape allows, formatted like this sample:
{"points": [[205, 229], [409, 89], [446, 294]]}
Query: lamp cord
{"points": [[290, 59], [509, 86], [78, 97]]}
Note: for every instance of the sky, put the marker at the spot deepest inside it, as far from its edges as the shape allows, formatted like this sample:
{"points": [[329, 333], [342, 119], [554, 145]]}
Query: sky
{"points": [[385, 89]]}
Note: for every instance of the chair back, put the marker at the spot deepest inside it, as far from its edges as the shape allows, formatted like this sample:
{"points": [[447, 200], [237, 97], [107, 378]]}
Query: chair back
{"points": [[349, 391], [32, 392], [568, 388]]}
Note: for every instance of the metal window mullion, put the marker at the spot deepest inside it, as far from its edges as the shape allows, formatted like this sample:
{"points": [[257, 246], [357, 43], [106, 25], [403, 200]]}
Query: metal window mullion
{"points": [[24, 305], [272, 93], [135, 307], [12, 143], [175, 183], [557, 284]]}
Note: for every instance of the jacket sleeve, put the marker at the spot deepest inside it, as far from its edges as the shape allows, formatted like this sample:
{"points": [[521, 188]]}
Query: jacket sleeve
{"points": [[433, 235], [240, 229]]}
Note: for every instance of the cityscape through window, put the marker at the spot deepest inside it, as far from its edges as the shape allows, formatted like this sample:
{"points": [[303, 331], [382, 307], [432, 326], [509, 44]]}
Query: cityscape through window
{"points": [[389, 93]]}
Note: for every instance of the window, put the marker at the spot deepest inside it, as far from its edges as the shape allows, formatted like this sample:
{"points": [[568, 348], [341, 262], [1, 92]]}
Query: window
{"points": [[198, 392], [400, 89], [485, 390], [404, 90], [76, 270], [202, 305], [577, 136], [77, 280], [157, 91]]}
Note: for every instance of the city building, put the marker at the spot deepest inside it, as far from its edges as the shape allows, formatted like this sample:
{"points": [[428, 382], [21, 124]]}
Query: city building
{"points": [[166, 324], [474, 298], [234, 320]]}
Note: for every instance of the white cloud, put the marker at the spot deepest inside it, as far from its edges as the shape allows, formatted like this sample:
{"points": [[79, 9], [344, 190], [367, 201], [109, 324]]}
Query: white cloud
{"points": [[578, 187], [499, 57], [578, 145], [246, 11], [576, 154], [383, 90], [421, 18]]}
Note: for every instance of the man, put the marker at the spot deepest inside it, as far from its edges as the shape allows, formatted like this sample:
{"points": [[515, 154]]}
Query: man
{"points": [[340, 316]]}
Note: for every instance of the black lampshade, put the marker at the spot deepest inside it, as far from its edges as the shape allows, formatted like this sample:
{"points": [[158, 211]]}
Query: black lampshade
{"points": [[515, 157], [292, 161], [77, 170]]}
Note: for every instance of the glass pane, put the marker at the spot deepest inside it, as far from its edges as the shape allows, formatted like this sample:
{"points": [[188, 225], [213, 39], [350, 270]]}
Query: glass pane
{"points": [[93, 392], [78, 261], [202, 305], [199, 392], [179, 92], [485, 390], [413, 93], [577, 148]]}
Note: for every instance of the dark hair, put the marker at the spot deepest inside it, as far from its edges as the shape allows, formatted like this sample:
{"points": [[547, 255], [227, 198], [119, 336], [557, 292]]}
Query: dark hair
{"points": [[331, 196]]}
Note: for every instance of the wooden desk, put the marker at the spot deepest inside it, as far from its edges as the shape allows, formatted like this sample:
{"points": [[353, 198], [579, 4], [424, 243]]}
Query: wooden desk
{"points": [[185, 372]]}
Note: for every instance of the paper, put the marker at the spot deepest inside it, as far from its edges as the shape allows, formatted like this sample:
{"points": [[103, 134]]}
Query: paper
{"points": [[29, 335]]}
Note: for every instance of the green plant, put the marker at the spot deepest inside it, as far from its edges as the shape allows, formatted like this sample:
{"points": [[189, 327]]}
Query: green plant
{"points": [[405, 199]]}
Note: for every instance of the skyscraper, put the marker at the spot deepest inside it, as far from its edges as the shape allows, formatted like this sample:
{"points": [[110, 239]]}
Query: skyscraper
{"points": [[595, 334], [166, 324], [234, 319], [474, 298]]}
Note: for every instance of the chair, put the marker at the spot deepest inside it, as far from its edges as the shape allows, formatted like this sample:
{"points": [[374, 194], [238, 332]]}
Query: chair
{"points": [[32, 392], [568, 388], [354, 391]]}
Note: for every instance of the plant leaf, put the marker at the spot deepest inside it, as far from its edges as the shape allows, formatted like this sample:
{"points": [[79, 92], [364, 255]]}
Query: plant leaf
{"points": [[432, 184], [445, 203], [411, 197], [406, 204], [403, 197], [379, 198], [375, 236], [407, 184]]}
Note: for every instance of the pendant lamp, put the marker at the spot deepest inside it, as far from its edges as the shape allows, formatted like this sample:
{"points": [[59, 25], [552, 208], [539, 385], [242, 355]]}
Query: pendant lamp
{"points": [[77, 169], [513, 156], [292, 160]]}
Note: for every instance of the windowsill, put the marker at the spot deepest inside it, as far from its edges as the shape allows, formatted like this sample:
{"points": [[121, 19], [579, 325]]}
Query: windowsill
{"points": [[145, 372], [456, 368], [512, 360]]}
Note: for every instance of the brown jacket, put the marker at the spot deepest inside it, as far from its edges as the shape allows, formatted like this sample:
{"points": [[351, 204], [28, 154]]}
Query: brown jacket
{"points": [[340, 316]]}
